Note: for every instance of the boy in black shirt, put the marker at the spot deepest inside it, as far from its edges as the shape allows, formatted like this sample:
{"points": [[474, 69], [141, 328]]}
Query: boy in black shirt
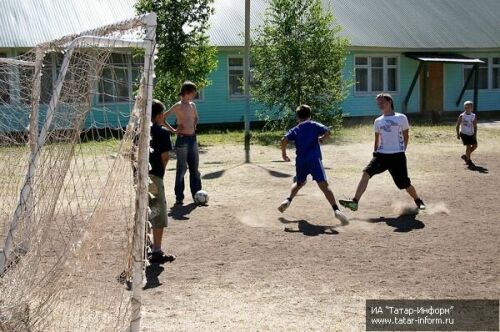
{"points": [[158, 159]]}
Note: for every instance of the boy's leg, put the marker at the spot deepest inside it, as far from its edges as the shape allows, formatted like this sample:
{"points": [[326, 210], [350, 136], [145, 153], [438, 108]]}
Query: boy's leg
{"points": [[468, 151], [293, 192], [159, 221], [327, 191], [399, 173], [377, 165], [362, 185], [181, 150], [302, 171], [193, 161]]}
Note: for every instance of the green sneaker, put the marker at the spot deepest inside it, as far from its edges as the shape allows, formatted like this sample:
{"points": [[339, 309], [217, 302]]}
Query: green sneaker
{"points": [[351, 205]]}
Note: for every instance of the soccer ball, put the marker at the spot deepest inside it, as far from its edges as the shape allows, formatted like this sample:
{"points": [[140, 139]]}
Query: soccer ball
{"points": [[201, 197]]}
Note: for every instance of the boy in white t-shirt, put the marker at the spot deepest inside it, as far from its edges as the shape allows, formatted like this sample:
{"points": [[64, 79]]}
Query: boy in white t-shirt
{"points": [[467, 131], [391, 139]]}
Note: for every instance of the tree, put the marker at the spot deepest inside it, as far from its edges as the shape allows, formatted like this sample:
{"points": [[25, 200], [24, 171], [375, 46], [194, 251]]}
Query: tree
{"points": [[184, 52], [298, 57]]}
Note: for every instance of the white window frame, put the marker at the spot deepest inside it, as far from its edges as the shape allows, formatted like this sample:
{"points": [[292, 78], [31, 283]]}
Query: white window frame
{"points": [[235, 97], [201, 96], [490, 72], [493, 66], [385, 67]]}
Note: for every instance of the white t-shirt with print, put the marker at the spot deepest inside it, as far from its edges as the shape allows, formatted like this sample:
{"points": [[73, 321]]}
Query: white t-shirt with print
{"points": [[467, 125], [390, 128]]}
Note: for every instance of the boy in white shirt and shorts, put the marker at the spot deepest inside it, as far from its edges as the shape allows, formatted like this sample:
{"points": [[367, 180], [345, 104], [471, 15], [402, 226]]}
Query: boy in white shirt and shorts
{"points": [[391, 139], [467, 131]]}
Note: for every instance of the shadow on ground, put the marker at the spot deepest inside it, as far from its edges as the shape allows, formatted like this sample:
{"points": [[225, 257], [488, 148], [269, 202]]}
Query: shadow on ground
{"points": [[306, 228], [220, 173], [479, 169], [153, 271], [180, 212], [402, 224]]}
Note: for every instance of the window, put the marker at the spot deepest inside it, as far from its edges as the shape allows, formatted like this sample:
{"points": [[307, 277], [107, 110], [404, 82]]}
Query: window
{"points": [[236, 72], [488, 75], [137, 69], [200, 96], [482, 75], [376, 73], [48, 78], [4, 81], [114, 84]]}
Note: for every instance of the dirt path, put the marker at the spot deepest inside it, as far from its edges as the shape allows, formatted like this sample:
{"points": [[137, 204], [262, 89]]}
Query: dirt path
{"points": [[242, 266]]}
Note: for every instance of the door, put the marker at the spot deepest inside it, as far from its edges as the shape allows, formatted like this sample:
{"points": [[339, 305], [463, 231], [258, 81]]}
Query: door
{"points": [[431, 86]]}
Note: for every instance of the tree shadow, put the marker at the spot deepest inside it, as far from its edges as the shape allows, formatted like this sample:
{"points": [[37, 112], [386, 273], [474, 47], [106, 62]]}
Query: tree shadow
{"points": [[274, 173], [213, 163], [153, 271], [180, 212], [308, 229], [479, 169], [402, 224], [213, 175]]}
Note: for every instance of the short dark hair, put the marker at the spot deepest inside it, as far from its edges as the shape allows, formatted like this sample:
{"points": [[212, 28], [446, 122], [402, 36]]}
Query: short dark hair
{"points": [[187, 87], [157, 108], [387, 97], [303, 112]]}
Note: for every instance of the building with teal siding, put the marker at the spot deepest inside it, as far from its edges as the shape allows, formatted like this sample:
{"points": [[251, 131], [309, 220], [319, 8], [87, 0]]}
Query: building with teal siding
{"points": [[428, 54]]}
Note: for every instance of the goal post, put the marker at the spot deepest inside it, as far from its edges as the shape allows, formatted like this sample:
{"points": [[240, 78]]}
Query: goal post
{"points": [[84, 192]]}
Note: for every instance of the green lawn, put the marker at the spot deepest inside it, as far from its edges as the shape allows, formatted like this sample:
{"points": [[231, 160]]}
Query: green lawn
{"points": [[351, 134]]}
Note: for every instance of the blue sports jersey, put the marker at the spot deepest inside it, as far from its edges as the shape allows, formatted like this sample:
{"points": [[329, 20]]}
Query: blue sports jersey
{"points": [[306, 137]]}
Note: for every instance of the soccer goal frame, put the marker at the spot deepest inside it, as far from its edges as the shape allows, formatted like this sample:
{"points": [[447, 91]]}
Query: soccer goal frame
{"points": [[38, 136]]}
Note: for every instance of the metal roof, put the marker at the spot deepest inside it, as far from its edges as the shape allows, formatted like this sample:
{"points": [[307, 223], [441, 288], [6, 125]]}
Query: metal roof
{"points": [[26, 23], [406, 24], [443, 57], [403, 24]]}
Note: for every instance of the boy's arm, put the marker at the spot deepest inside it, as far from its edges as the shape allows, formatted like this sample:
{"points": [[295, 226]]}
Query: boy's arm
{"points": [[475, 126], [284, 144], [323, 138], [406, 137], [168, 113], [375, 145], [459, 121], [195, 116]]}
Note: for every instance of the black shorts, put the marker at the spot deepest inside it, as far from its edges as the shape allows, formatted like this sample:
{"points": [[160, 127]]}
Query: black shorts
{"points": [[394, 163], [468, 140]]}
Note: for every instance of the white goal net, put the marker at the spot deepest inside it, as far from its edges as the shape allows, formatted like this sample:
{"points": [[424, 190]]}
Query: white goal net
{"points": [[74, 145]]}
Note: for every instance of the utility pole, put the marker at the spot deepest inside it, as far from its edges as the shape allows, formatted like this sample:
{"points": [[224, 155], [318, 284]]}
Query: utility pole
{"points": [[247, 81]]}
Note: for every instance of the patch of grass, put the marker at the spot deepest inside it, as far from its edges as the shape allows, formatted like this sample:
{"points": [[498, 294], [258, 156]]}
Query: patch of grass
{"points": [[419, 133], [238, 137]]}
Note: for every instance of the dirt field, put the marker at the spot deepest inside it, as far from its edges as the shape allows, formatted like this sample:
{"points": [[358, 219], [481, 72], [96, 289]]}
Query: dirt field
{"points": [[243, 266]]}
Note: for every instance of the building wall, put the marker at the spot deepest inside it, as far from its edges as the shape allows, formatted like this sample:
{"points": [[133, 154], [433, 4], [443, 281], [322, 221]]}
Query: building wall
{"points": [[217, 106], [489, 100], [363, 104]]}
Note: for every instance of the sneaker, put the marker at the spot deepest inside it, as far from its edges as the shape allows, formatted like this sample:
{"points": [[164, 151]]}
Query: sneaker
{"points": [[159, 257], [179, 202], [350, 204], [464, 158], [342, 217], [284, 206], [420, 204]]}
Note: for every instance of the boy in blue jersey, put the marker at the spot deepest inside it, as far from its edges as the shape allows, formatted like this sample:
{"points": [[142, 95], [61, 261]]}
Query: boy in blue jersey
{"points": [[307, 136]]}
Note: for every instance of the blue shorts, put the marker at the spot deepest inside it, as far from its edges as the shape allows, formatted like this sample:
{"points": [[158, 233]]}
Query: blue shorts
{"points": [[313, 167]]}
